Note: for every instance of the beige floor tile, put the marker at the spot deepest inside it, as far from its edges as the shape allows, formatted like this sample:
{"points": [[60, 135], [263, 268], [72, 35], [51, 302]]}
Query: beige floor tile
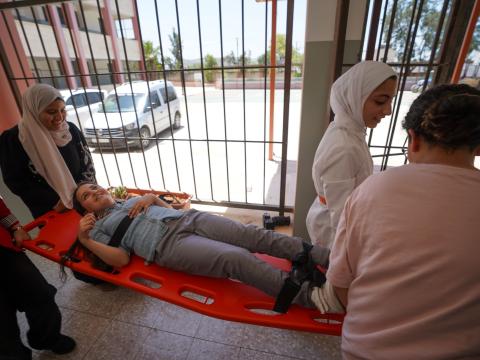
{"points": [[247, 354], [139, 309], [220, 331], [102, 300], [291, 343], [119, 341], [162, 345], [207, 350], [85, 329], [178, 320]]}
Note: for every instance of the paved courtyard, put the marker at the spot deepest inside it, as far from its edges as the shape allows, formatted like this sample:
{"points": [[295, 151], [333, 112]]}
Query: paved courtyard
{"points": [[233, 171]]}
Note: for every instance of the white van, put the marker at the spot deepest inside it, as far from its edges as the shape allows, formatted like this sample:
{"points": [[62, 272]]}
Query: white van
{"points": [[80, 102], [133, 111]]}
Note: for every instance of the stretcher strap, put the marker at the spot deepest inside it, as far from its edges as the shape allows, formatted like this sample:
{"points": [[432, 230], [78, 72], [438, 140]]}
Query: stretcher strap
{"points": [[221, 298]]}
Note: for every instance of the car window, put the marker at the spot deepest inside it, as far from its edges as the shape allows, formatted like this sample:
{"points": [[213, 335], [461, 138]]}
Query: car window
{"points": [[93, 97], [154, 99], [171, 94], [79, 100], [125, 101], [69, 100]]}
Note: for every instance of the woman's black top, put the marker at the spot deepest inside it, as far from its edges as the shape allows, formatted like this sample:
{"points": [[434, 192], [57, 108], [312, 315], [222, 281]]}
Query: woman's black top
{"points": [[22, 178]]}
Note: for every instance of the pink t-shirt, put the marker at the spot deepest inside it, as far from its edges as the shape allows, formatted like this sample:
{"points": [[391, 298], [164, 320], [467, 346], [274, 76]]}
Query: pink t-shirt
{"points": [[408, 249]]}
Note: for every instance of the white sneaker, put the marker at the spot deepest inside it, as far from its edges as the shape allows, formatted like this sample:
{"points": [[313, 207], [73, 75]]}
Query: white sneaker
{"points": [[325, 299]]}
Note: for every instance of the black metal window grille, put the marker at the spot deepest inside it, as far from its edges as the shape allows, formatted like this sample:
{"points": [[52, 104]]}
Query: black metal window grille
{"points": [[170, 153], [409, 36]]}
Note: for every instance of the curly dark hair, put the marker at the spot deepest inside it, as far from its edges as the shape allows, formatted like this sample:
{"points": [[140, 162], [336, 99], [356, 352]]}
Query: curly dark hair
{"points": [[447, 116]]}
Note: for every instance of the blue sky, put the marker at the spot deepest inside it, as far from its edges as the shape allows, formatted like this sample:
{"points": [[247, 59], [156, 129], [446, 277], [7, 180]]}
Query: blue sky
{"points": [[254, 25]]}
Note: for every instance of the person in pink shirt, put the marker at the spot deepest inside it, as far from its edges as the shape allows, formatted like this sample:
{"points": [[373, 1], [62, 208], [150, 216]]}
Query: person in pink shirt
{"points": [[405, 261]]}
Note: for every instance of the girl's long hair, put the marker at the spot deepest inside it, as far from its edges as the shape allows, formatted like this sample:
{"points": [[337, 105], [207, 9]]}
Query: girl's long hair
{"points": [[77, 251]]}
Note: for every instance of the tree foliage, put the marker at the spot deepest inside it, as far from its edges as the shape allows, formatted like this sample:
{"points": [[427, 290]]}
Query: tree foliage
{"points": [[427, 29], [280, 44], [175, 49], [209, 62], [152, 62]]}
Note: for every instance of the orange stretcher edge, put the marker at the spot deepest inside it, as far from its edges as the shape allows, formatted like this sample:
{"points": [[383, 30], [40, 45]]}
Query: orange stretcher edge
{"points": [[232, 300]]}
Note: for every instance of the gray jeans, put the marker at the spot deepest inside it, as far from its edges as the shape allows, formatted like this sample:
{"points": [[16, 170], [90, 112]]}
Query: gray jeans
{"points": [[204, 244]]}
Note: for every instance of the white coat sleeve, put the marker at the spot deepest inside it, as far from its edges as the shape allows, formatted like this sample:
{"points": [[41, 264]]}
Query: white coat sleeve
{"points": [[335, 177], [336, 194]]}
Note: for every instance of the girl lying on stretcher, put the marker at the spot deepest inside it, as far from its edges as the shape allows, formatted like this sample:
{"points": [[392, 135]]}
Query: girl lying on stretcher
{"points": [[199, 243]]}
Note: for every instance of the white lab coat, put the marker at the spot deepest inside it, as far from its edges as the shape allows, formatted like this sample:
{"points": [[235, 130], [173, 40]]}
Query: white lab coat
{"points": [[342, 160]]}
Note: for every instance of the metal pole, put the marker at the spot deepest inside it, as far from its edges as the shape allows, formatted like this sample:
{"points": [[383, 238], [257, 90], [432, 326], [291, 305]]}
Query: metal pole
{"points": [[466, 42], [273, 58]]}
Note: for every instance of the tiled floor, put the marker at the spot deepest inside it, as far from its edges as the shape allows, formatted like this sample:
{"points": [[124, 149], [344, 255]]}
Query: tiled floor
{"points": [[116, 323]]}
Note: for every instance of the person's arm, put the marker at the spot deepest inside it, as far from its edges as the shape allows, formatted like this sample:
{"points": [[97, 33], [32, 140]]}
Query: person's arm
{"points": [[144, 202], [334, 175], [342, 295], [21, 177], [113, 256], [10, 223], [86, 161]]}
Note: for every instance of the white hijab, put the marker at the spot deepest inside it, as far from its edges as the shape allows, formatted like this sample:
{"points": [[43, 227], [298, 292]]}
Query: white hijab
{"points": [[350, 91], [41, 145]]}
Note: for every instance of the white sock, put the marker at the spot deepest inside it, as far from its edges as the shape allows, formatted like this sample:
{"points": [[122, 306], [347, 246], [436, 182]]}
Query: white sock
{"points": [[326, 300]]}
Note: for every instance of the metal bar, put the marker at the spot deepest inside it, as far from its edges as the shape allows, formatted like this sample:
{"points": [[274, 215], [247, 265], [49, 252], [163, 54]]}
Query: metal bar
{"points": [[223, 98], [381, 30], [407, 58], [204, 99], [286, 103], [10, 35], [167, 71], [273, 59], [377, 8], [131, 88], [390, 29], [182, 73], [148, 78], [98, 82], [387, 44], [264, 185], [27, 3], [341, 20], [241, 205], [435, 42], [43, 47], [364, 29], [28, 47], [467, 39], [244, 107], [401, 76], [114, 88], [168, 103]]}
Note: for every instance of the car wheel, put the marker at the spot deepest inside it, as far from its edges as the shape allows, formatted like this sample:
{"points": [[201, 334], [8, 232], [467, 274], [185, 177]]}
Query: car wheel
{"points": [[177, 122], [145, 135]]}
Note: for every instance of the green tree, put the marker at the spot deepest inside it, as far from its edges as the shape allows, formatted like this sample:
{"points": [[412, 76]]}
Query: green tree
{"points": [[475, 44], [151, 60], [175, 49], [297, 57], [230, 59], [427, 29], [209, 63]]}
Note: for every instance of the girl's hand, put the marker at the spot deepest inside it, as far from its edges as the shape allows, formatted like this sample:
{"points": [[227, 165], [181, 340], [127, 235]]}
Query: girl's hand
{"points": [[59, 207], [20, 235], [142, 204], [86, 224]]}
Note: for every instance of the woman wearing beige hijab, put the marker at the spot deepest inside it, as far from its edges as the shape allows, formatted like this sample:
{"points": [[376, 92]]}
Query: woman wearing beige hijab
{"points": [[41, 159], [44, 157]]}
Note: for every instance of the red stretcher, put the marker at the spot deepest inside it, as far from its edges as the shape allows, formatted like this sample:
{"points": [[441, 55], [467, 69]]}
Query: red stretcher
{"points": [[221, 298]]}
